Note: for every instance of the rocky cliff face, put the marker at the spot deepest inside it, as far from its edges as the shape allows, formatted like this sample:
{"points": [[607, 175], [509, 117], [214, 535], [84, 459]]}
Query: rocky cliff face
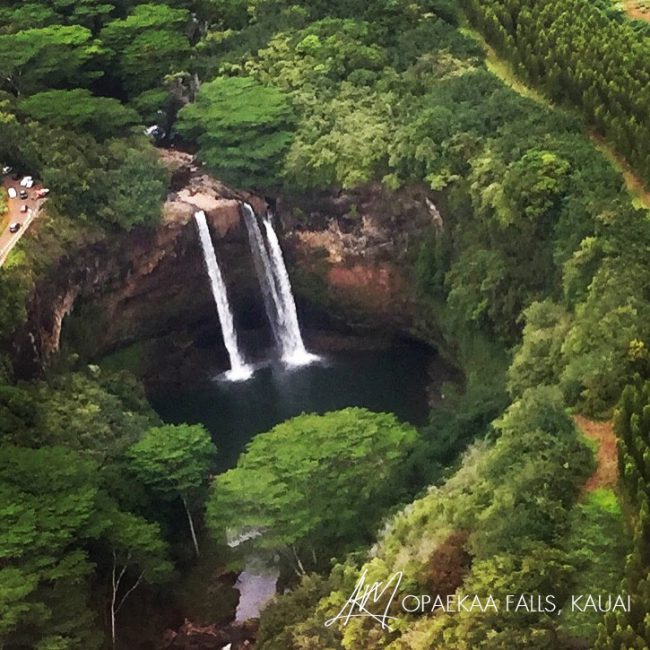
{"points": [[146, 283], [352, 251], [347, 253]]}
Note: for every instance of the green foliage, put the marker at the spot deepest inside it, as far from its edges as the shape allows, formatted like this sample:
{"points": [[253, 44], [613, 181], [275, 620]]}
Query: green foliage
{"points": [[83, 412], [538, 360], [512, 500], [147, 45], [174, 461], [598, 542], [33, 60], [241, 127], [49, 501], [78, 110], [632, 424], [579, 56], [317, 481], [134, 187]]}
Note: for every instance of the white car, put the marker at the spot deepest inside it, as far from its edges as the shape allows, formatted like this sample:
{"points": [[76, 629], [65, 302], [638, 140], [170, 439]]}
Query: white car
{"points": [[12, 193], [27, 182]]}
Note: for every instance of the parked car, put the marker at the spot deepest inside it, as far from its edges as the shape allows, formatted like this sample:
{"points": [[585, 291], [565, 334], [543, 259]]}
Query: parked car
{"points": [[26, 180], [12, 193], [23, 194], [14, 227], [43, 193], [7, 170], [24, 208]]}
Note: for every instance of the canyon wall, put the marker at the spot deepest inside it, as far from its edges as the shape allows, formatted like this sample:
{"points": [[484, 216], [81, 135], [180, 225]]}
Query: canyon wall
{"points": [[348, 253]]}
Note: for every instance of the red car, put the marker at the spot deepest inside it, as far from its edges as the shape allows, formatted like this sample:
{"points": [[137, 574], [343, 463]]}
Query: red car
{"points": [[43, 193]]}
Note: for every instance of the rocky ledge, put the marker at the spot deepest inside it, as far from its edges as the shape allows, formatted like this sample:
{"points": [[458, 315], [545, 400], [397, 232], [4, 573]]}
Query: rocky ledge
{"points": [[210, 637]]}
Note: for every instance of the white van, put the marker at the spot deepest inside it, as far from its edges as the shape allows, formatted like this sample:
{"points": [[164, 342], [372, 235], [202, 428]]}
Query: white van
{"points": [[12, 193]]}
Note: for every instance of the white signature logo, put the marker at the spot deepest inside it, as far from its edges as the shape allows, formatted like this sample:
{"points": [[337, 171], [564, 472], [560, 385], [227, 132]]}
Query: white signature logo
{"points": [[366, 595]]}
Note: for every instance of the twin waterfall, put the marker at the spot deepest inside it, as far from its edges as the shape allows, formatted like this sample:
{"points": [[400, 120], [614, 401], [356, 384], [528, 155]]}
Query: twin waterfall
{"points": [[276, 290]]}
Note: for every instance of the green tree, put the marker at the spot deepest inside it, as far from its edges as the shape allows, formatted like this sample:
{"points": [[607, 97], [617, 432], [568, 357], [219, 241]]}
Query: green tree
{"points": [[133, 187], [147, 45], [313, 480], [138, 555], [36, 59], [175, 462], [242, 129], [48, 509], [80, 110]]}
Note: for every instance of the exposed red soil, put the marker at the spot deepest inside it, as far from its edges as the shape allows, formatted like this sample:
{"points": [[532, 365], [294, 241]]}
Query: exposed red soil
{"points": [[606, 474]]}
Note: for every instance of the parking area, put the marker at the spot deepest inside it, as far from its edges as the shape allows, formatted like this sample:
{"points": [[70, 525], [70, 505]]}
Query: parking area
{"points": [[24, 202]]}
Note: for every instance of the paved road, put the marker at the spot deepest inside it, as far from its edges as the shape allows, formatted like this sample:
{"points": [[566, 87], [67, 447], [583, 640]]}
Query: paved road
{"points": [[7, 239]]}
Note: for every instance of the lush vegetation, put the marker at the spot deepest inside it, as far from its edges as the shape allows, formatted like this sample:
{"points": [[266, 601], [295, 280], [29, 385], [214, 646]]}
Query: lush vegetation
{"points": [[326, 489], [536, 279], [579, 55], [630, 629]]}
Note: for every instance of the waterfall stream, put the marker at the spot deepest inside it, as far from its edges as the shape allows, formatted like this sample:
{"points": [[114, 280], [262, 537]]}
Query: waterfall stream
{"points": [[239, 371], [276, 287]]}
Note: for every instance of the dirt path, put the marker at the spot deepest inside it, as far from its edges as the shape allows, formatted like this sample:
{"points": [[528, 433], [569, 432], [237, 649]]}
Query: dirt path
{"points": [[639, 9], [606, 474]]}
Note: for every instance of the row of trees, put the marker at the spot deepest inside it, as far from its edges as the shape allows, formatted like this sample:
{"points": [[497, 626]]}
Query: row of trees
{"points": [[581, 56], [623, 630]]}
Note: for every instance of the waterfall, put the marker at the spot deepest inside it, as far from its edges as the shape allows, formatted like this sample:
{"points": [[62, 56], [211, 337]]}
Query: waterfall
{"points": [[295, 351], [276, 288], [238, 368], [264, 272]]}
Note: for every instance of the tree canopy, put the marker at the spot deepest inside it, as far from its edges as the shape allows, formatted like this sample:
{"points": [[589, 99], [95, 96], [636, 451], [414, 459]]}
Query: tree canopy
{"points": [[79, 111], [242, 128], [316, 481]]}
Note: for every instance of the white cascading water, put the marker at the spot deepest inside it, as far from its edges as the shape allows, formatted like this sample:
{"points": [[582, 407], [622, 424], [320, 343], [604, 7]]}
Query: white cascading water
{"points": [[264, 273], [294, 352], [276, 287], [239, 370]]}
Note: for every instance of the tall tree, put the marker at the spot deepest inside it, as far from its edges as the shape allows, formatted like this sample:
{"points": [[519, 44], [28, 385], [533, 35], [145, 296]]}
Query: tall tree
{"points": [[48, 57], [79, 110], [175, 462], [316, 481], [242, 129]]}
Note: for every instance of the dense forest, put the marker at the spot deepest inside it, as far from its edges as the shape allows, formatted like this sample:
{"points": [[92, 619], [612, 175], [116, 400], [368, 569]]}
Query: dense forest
{"points": [[580, 54], [538, 284]]}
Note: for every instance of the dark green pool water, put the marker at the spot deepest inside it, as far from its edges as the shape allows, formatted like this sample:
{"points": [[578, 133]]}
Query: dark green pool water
{"points": [[393, 380]]}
